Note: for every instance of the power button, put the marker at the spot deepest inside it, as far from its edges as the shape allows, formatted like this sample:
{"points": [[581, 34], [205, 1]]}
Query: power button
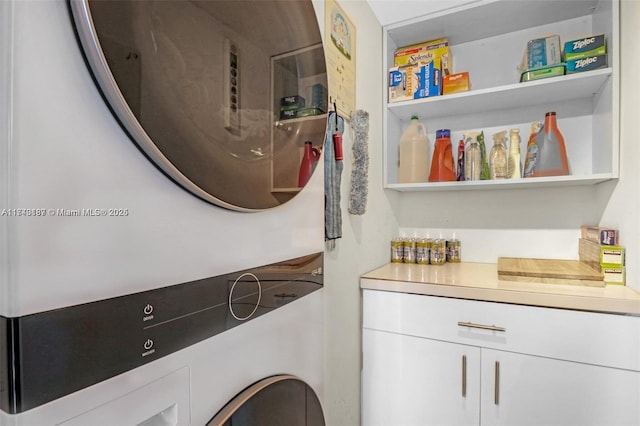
{"points": [[148, 344], [148, 312], [148, 309]]}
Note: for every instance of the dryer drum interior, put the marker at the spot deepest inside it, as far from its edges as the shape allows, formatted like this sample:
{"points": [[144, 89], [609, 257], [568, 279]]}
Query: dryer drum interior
{"points": [[220, 95], [277, 400]]}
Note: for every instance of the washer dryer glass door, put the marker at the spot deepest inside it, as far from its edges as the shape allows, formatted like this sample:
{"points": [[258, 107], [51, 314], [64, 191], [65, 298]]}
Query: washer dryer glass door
{"points": [[277, 400], [220, 95]]}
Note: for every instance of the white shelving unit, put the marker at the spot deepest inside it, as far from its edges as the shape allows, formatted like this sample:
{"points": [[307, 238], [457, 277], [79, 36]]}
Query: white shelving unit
{"points": [[487, 38], [291, 74]]}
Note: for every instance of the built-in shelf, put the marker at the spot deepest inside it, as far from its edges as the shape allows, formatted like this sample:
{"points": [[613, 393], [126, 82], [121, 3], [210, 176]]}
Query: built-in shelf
{"points": [[538, 92], [487, 38], [476, 185]]}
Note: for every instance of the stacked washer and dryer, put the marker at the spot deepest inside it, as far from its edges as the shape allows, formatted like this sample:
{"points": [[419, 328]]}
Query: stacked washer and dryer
{"points": [[151, 276]]}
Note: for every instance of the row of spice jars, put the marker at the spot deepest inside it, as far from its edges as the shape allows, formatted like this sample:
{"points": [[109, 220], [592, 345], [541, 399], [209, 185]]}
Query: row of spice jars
{"points": [[425, 251]]}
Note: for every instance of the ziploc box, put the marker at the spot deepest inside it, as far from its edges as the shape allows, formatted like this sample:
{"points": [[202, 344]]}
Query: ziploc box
{"points": [[586, 64], [434, 50], [584, 47]]}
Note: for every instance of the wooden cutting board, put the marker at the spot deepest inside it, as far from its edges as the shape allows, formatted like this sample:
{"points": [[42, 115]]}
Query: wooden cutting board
{"points": [[552, 271]]}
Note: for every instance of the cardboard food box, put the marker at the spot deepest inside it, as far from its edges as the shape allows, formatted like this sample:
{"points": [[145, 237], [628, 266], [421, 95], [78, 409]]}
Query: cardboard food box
{"points": [[455, 83], [544, 72], [435, 50], [402, 83], [599, 234], [614, 275], [428, 81], [413, 82], [542, 52]]}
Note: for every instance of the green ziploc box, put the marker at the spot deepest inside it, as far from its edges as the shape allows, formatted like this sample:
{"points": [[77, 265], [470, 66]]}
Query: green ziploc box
{"points": [[584, 47]]}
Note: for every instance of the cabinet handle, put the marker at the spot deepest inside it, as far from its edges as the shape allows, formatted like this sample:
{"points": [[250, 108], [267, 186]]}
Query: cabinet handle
{"points": [[482, 326], [464, 376], [496, 384]]}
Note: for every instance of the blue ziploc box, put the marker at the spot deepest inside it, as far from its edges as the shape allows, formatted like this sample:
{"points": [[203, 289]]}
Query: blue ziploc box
{"points": [[428, 80], [586, 64], [589, 46]]}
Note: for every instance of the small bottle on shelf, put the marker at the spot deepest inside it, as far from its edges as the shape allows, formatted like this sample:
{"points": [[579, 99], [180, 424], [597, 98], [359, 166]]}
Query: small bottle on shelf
{"points": [[498, 156], [472, 158], [514, 168], [460, 171], [484, 162], [532, 150]]}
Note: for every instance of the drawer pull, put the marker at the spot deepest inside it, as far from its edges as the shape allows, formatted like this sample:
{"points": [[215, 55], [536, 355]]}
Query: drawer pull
{"points": [[496, 384], [464, 376], [482, 326]]}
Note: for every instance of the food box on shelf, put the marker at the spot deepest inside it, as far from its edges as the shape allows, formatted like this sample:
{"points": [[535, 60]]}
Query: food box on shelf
{"points": [[433, 50], [543, 72], [455, 83], [599, 234]]}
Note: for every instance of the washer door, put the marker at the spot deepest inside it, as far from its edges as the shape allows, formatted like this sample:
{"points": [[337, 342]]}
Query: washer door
{"points": [[213, 92], [277, 400]]}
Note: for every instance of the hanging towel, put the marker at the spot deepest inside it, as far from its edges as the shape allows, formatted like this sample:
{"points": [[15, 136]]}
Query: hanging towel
{"points": [[360, 162], [332, 180]]}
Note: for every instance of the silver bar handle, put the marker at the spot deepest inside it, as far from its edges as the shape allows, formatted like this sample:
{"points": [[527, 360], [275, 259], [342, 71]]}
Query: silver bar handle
{"points": [[481, 326], [496, 384], [464, 376]]}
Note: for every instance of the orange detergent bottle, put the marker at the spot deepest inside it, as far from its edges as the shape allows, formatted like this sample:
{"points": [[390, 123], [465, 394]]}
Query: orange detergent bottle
{"points": [[442, 168]]}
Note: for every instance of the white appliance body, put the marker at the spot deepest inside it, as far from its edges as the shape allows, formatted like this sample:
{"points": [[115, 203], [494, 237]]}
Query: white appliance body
{"points": [[63, 151]]}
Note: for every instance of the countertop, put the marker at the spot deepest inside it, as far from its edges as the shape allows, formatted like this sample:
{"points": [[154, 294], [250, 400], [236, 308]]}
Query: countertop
{"points": [[479, 281]]}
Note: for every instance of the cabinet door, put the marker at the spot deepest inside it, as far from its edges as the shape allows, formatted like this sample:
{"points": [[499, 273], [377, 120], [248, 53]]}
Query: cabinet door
{"points": [[409, 380], [529, 390]]}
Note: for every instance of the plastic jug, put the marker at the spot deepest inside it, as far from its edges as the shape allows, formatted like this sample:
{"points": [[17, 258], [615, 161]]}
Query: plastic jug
{"points": [[413, 164], [551, 159], [442, 169], [307, 165]]}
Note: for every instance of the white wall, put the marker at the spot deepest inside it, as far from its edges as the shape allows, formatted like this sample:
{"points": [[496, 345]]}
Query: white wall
{"points": [[623, 207], [365, 239]]}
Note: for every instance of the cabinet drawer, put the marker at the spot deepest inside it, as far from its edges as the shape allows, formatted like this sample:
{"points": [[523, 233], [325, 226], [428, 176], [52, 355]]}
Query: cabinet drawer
{"points": [[588, 337]]}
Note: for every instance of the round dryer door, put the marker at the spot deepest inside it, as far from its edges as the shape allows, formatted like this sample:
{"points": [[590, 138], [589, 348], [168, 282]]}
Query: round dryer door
{"points": [[223, 96], [277, 400]]}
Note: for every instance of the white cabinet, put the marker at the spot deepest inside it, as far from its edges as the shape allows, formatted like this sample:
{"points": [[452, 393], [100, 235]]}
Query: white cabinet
{"points": [[532, 390], [487, 38], [434, 361], [408, 380]]}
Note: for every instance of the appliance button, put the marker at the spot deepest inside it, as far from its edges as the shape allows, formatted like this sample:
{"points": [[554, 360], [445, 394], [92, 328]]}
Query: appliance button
{"points": [[148, 309], [148, 344]]}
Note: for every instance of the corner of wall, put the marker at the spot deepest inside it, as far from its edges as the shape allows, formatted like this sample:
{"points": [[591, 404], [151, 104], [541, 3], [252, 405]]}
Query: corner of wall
{"points": [[6, 80]]}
